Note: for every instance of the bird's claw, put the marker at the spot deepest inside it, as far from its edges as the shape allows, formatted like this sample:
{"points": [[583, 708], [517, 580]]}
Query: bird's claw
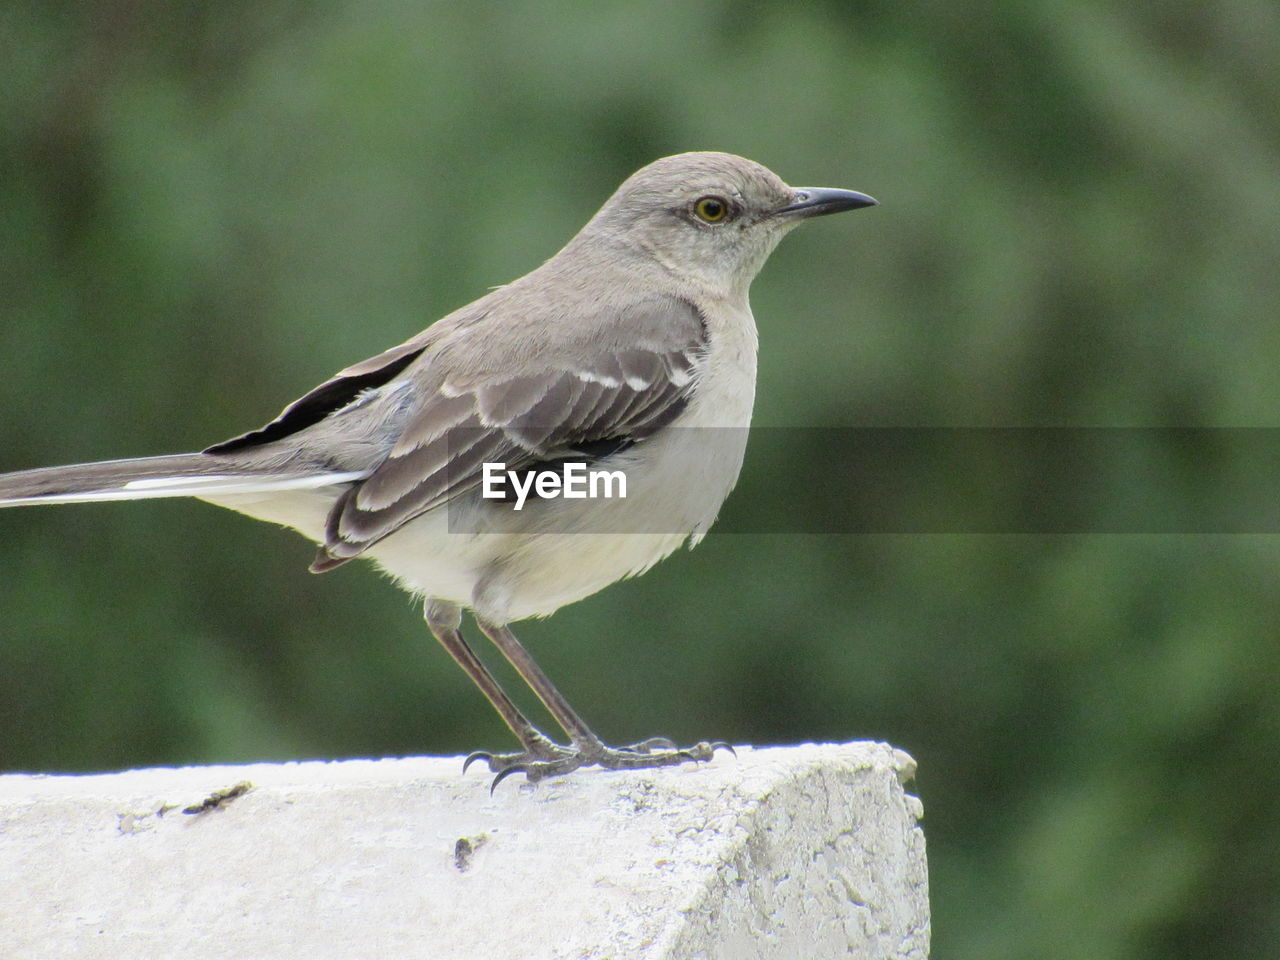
{"points": [[647, 754], [540, 749], [508, 771], [476, 755]]}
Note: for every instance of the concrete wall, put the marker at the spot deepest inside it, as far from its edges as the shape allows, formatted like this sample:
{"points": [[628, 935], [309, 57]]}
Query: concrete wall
{"points": [[799, 853]]}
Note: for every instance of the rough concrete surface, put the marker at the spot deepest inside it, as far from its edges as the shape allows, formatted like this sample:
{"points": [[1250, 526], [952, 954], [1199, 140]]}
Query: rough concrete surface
{"points": [[787, 853]]}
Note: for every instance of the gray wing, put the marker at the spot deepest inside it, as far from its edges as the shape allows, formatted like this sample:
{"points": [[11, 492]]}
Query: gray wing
{"points": [[623, 379]]}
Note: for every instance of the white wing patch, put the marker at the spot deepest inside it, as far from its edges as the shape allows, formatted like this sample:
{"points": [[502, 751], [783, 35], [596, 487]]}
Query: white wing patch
{"points": [[586, 376]]}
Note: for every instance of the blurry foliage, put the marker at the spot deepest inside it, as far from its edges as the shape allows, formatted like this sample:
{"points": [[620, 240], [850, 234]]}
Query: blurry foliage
{"points": [[207, 208]]}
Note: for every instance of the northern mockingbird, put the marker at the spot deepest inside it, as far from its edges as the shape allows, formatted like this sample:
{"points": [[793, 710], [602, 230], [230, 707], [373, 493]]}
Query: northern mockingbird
{"points": [[628, 349]]}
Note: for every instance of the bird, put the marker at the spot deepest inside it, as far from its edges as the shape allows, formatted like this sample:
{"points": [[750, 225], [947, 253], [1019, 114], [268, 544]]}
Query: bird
{"points": [[631, 351]]}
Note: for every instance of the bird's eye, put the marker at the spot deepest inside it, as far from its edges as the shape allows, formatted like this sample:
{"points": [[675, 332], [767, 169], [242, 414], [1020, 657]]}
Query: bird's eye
{"points": [[711, 209]]}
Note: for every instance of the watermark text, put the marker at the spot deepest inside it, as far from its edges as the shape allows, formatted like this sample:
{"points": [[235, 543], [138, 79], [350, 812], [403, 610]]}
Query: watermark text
{"points": [[572, 481]]}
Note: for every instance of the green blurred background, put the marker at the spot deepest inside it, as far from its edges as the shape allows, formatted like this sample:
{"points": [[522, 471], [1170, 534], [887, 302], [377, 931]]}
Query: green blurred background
{"points": [[206, 208]]}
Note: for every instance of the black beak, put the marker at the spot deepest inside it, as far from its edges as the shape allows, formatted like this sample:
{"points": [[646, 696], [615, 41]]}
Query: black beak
{"points": [[817, 201]]}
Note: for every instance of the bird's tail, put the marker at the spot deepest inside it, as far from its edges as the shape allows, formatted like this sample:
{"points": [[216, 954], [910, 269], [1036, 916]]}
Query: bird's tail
{"points": [[183, 475]]}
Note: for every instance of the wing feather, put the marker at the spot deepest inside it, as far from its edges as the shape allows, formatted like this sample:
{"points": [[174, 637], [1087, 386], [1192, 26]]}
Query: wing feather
{"points": [[544, 404]]}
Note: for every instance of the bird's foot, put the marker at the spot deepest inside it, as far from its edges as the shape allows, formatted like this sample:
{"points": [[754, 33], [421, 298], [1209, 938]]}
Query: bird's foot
{"points": [[654, 752], [538, 749]]}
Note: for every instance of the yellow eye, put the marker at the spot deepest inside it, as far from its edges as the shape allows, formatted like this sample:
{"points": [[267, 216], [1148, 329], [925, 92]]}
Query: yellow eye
{"points": [[711, 209]]}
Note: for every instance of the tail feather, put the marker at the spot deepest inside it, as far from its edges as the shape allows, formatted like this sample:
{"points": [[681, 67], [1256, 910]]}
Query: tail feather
{"points": [[183, 475]]}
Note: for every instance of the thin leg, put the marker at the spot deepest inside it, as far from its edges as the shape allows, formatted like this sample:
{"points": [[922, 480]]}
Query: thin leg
{"points": [[587, 749], [444, 619], [539, 683]]}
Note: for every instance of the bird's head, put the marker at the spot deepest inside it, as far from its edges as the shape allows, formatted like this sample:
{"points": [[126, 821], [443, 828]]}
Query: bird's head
{"points": [[713, 218]]}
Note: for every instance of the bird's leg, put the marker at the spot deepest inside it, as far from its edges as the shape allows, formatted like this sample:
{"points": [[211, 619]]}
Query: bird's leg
{"points": [[445, 619], [588, 749]]}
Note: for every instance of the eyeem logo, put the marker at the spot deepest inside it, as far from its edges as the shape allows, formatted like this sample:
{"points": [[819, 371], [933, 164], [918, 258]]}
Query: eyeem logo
{"points": [[573, 482]]}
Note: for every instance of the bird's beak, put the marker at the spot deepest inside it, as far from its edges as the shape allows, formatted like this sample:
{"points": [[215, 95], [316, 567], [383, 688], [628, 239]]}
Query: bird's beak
{"points": [[816, 201]]}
